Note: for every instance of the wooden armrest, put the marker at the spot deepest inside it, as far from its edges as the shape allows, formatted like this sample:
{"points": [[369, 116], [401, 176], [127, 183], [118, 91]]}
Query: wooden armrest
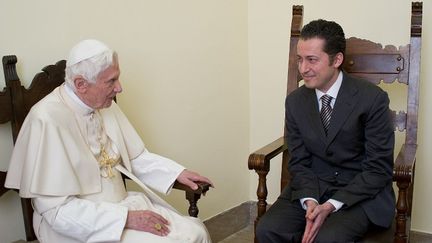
{"points": [[403, 169], [203, 187], [259, 160]]}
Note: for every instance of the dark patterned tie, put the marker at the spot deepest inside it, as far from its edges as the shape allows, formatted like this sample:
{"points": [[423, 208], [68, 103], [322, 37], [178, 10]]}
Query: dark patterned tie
{"points": [[326, 111]]}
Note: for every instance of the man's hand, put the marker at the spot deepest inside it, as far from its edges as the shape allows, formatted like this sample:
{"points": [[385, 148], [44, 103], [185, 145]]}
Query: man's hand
{"points": [[309, 223], [189, 178], [315, 217], [148, 221]]}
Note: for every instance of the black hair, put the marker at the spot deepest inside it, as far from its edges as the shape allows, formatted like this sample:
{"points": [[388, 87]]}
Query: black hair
{"points": [[330, 31]]}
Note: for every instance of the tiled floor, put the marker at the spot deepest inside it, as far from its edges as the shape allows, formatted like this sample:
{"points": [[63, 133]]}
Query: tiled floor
{"points": [[421, 238], [243, 236]]}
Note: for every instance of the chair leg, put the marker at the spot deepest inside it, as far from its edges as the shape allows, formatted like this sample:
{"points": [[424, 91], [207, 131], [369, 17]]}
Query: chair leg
{"points": [[193, 199], [262, 197], [401, 214]]}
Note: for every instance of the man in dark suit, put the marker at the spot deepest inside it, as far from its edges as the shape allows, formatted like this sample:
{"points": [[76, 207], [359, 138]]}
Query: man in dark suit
{"points": [[341, 140]]}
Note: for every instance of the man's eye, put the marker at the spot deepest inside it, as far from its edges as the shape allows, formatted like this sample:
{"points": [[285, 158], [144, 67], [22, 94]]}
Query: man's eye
{"points": [[312, 60]]}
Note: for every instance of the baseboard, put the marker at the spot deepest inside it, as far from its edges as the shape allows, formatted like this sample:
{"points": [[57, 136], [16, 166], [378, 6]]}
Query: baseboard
{"points": [[229, 222]]}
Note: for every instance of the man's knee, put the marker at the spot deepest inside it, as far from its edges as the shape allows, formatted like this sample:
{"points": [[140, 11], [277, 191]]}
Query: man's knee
{"points": [[267, 232], [198, 232], [262, 231]]}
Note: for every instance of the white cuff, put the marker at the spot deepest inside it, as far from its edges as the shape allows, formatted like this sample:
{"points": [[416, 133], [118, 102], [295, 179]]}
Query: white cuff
{"points": [[337, 204], [303, 202]]}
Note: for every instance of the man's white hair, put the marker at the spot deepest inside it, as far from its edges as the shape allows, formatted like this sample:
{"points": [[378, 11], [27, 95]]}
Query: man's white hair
{"points": [[88, 59]]}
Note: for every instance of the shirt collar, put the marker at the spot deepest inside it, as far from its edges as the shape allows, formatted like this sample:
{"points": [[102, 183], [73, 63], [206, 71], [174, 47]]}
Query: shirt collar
{"points": [[334, 89], [79, 104]]}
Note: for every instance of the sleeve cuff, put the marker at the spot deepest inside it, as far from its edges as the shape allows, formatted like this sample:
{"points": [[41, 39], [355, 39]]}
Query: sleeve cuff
{"points": [[337, 204], [303, 202]]}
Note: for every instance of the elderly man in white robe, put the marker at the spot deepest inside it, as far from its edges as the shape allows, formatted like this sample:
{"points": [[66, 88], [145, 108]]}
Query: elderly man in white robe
{"points": [[71, 151]]}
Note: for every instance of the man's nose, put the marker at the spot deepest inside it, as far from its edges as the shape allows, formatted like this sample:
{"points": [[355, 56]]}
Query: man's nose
{"points": [[118, 88], [303, 67]]}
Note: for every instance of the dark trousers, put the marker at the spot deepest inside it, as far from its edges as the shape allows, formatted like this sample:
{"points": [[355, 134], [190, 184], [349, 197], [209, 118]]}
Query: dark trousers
{"points": [[285, 222]]}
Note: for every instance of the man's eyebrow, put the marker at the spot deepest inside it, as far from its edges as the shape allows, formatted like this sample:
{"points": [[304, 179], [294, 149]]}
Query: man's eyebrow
{"points": [[308, 56]]}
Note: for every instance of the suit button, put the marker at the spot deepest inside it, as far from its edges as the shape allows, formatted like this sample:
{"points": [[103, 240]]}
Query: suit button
{"points": [[329, 153], [336, 173]]}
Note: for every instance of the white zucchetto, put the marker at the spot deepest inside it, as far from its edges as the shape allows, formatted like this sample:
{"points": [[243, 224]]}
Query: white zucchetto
{"points": [[85, 49]]}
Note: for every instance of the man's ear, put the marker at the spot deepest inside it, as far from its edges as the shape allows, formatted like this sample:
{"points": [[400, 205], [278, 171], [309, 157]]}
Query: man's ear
{"points": [[338, 60], [80, 84]]}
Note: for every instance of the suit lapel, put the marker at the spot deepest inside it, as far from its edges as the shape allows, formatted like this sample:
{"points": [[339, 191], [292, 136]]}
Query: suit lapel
{"points": [[345, 103]]}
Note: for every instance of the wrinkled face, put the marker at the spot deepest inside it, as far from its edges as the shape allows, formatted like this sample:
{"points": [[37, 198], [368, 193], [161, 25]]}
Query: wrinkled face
{"points": [[314, 64], [100, 94]]}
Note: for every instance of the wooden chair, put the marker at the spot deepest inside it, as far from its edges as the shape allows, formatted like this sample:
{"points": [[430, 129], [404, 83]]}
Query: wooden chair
{"points": [[15, 103], [372, 62]]}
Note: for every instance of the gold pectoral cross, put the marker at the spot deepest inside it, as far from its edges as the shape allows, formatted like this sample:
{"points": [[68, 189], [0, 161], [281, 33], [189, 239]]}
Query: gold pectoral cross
{"points": [[106, 163]]}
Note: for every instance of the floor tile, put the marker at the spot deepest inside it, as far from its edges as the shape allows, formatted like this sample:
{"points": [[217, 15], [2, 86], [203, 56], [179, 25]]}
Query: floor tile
{"points": [[243, 236]]}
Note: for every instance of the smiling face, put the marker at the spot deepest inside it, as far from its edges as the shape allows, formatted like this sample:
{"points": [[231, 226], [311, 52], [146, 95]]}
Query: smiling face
{"points": [[100, 94], [318, 69]]}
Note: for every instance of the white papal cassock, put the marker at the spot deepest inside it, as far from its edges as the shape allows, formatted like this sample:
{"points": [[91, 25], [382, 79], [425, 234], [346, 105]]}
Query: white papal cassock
{"points": [[55, 163]]}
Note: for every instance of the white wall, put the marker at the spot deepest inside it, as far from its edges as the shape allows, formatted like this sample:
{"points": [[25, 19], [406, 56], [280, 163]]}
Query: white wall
{"points": [[385, 21], [184, 73]]}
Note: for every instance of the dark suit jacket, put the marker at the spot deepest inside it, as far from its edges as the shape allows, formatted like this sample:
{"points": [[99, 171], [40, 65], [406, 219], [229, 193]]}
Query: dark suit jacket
{"points": [[354, 163]]}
